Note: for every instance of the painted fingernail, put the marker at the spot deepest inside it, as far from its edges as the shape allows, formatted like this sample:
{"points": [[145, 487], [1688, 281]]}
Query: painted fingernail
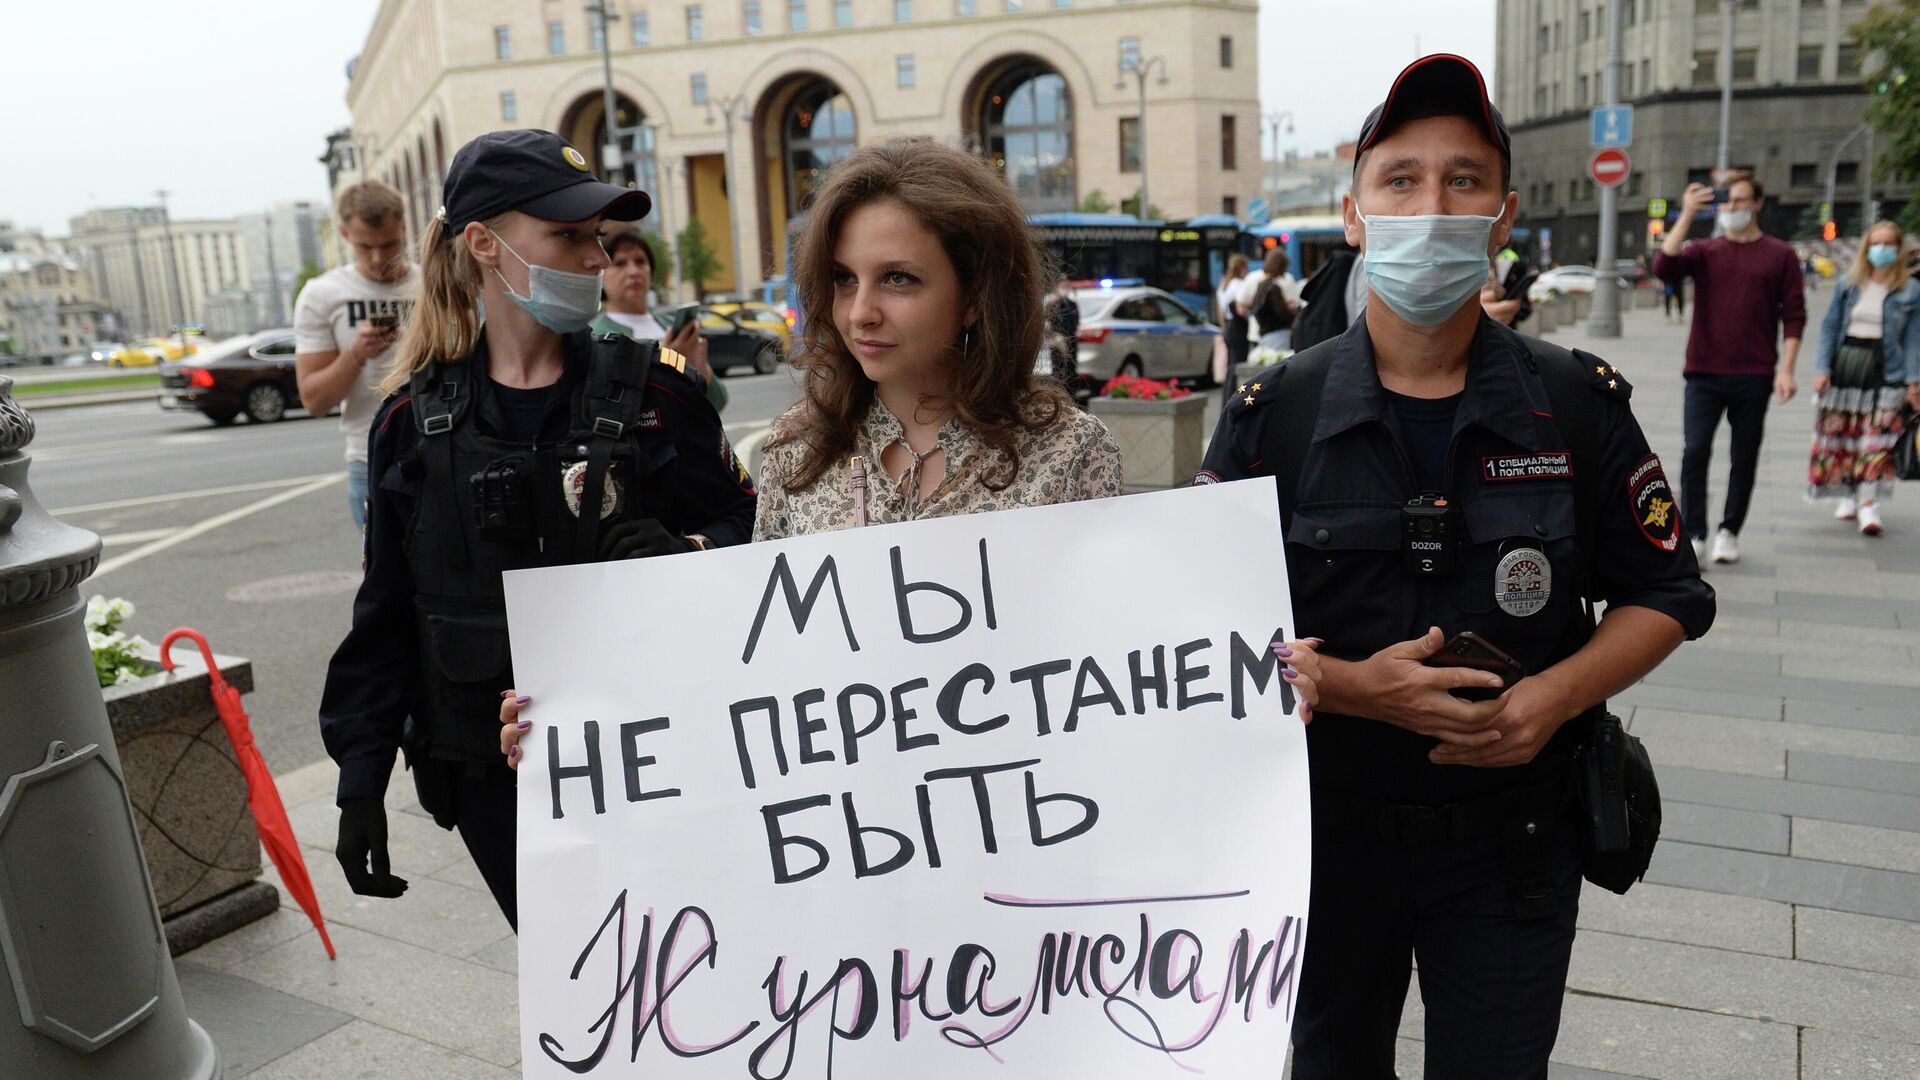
{"points": [[1290, 673], [524, 725], [1282, 651], [1316, 641], [506, 693], [513, 753], [522, 699]]}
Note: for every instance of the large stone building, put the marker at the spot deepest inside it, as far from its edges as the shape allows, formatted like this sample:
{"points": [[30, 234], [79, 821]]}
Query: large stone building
{"points": [[107, 242], [1034, 84], [47, 306], [1798, 96], [277, 246]]}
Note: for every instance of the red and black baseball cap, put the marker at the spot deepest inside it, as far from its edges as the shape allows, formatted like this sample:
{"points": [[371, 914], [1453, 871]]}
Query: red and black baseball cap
{"points": [[534, 172], [1441, 84]]}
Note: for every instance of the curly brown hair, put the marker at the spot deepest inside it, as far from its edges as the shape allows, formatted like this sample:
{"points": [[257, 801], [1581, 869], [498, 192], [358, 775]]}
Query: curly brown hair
{"points": [[983, 230]]}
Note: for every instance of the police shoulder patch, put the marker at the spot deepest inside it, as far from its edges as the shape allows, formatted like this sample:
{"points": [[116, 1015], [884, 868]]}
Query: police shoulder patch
{"points": [[1606, 379], [1256, 389], [673, 360], [1650, 501]]}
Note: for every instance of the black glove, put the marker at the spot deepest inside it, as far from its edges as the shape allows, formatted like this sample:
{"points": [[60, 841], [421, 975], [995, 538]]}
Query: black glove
{"points": [[641, 539], [363, 837]]}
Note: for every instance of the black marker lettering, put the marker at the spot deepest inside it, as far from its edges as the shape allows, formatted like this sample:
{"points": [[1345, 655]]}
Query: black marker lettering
{"points": [[797, 606], [632, 761], [590, 731]]}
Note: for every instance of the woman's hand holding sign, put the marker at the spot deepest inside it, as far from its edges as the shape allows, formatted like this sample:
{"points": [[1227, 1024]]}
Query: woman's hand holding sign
{"points": [[1302, 672], [512, 728]]}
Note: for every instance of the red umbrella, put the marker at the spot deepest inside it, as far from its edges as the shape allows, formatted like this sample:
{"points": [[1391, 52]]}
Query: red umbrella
{"points": [[263, 798]]}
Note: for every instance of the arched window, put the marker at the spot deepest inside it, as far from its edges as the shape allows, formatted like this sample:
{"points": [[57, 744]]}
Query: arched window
{"points": [[1029, 135], [818, 132]]}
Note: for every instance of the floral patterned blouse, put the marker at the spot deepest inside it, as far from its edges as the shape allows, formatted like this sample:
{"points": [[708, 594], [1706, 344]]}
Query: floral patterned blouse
{"points": [[1073, 459]]}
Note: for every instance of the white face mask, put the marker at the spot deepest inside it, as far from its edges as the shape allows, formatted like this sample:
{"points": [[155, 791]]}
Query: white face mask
{"points": [[1426, 266], [1734, 221], [560, 301]]}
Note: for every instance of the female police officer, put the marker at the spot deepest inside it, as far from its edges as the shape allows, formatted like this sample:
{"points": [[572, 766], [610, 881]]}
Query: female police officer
{"points": [[1440, 473], [512, 438]]}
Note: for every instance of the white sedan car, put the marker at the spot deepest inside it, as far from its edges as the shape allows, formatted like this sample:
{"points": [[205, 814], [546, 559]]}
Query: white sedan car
{"points": [[1563, 280]]}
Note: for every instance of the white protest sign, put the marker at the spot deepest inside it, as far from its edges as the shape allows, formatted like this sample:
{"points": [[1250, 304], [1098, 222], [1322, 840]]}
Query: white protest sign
{"points": [[1002, 795]]}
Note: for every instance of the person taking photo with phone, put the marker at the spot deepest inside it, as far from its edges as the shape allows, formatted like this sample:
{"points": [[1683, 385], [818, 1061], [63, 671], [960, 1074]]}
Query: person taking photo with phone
{"points": [[1439, 475], [628, 293], [506, 442], [346, 321], [1749, 312]]}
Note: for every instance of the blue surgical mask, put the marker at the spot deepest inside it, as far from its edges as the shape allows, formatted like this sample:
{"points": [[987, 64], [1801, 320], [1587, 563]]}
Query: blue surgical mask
{"points": [[1883, 255], [560, 301], [1426, 267]]}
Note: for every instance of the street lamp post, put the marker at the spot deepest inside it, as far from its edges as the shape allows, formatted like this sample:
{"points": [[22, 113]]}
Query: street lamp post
{"points": [[1138, 67], [728, 107], [1606, 294], [1833, 169], [173, 269], [611, 153], [1274, 120], [638, 141], [1727, 9], [91, 992]]}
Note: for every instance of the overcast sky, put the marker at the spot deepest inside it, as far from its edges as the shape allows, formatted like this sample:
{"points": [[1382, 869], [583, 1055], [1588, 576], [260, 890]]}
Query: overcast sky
{"points": [[227, 103]]}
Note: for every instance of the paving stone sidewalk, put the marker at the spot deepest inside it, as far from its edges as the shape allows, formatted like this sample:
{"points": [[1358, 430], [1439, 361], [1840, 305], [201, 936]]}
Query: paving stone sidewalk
{"points": [[1777, 936]]}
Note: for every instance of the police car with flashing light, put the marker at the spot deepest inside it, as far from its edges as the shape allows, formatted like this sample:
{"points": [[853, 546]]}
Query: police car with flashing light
{"points": [[1129, 328]]}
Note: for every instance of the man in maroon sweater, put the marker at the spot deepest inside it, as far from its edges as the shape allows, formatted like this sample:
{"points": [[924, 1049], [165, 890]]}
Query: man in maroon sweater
{"points": [[1746, 295]]}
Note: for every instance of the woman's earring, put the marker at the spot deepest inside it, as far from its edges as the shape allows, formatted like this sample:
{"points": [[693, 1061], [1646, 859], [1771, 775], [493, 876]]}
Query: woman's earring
{"points": [[966, 340]]}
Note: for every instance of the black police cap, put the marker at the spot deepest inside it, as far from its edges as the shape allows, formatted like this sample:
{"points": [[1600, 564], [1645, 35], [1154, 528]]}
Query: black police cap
{"points": [[534, 172], [1439, 84]]}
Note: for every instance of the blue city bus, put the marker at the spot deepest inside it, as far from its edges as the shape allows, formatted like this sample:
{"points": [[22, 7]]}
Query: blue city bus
{"points": [[1184, 258]]}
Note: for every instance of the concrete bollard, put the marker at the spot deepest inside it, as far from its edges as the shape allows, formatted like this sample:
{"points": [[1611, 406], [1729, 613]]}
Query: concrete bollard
{"points": [[90, 992]]}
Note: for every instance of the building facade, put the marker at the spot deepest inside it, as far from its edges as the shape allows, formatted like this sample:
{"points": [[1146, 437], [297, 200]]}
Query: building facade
{"points": [[208, 259], [107, 243], [278, 245], [788, 87], [1798, 105], [47, 306]]}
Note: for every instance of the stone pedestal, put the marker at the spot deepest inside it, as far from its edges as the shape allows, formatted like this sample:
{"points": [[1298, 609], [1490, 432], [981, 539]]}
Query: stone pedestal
{"points": [[1546, 316], [189, 798], [1161, 442]]}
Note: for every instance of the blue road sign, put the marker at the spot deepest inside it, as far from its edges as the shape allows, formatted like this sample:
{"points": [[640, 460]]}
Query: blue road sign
{"points": [[1257, 211], [1613, 125]]}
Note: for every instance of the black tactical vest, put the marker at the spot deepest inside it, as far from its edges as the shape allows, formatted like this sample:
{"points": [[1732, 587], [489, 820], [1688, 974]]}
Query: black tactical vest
{"points": [[488, 506]]}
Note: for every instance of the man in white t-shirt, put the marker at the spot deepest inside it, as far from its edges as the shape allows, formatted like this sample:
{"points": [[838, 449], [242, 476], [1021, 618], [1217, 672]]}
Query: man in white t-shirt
{"points": [[347, 320]]}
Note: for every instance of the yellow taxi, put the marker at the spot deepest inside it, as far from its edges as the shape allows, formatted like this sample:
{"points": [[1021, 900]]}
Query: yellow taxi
{"points": [[753, 315], [150, 351]]}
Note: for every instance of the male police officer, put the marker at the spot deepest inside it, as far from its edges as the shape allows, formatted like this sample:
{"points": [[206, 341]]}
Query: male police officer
{"points": [[1439, 473]]}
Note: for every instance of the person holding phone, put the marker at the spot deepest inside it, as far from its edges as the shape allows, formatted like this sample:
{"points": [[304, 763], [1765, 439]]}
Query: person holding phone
{"points": [[510, 438], [346, 322], [1430, 465], [628, 293], [1749, 312]]}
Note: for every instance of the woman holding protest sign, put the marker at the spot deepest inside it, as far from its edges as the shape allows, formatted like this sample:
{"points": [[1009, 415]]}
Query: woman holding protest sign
{"points": [[510, 441], [922, 285]]}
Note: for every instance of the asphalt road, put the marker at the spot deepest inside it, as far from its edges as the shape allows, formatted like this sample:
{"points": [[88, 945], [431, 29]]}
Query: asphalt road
{"points": [[243, 534]]}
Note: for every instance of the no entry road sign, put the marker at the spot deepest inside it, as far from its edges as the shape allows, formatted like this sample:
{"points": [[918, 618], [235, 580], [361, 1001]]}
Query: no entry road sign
{"points": [[1609, 167]]}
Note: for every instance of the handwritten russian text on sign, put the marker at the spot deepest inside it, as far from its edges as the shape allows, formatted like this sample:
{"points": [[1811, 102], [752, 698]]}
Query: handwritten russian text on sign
{"points": [[982, 794]]}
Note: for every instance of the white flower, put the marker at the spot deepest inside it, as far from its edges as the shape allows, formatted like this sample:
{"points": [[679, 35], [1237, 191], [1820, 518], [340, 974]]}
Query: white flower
{"points": [[95, 639], [96, 612], [121, 610], [126, 675]]}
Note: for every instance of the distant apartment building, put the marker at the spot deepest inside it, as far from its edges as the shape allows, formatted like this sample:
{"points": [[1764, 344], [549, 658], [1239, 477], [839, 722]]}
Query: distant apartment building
{"points": [[1036, 86], [1798, 99]]}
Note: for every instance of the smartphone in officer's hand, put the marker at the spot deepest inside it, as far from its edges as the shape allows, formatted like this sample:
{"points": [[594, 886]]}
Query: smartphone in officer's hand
{"points": [[673, 318], [1469, 650]]}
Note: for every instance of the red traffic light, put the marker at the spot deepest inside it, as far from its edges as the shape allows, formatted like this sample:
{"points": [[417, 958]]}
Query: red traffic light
{"points": [[1830, 231]]}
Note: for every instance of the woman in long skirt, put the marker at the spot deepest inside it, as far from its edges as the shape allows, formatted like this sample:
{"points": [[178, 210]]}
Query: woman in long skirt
{"points": [[1867, 367]]}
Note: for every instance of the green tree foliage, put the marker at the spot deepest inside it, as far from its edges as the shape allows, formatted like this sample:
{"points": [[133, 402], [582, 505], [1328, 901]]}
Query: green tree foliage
{"points": [[1096, 202], [662, 253], [1131, 205], [698, 260], [1891, 31], [307, 273]]}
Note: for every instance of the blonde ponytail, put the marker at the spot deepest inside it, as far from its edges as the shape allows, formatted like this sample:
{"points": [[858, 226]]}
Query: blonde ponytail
{"points": [[445, 323]]}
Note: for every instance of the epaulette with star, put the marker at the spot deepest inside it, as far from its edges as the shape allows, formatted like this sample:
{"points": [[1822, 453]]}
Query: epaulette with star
{"points": [[1607, 379], [1255, 390]]}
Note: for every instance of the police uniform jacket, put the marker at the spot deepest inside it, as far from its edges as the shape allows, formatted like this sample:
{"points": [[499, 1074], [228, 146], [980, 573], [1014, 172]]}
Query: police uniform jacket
{"points": [[426, 648], [1511, 475]]}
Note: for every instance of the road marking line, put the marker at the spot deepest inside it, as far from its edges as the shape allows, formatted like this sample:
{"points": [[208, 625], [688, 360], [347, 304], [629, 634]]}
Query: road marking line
{"points": [[135, 537], [203, 493], [215, 522]]}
